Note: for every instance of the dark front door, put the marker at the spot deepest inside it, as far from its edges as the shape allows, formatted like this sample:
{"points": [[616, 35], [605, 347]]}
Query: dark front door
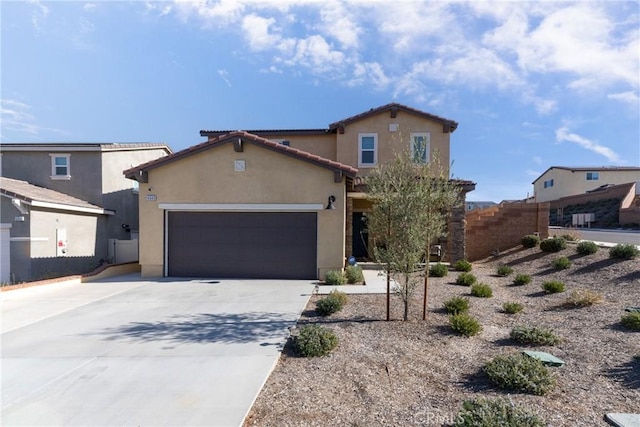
{"points": [[360, 236]]}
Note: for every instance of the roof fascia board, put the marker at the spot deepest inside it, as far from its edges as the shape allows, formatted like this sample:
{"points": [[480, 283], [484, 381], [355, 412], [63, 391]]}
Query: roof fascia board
{"points": [[63, 207]]}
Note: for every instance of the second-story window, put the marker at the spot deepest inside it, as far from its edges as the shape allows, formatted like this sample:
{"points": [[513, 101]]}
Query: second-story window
{"points": [[593, 176], [60, 166], [548, 183], [367, 149], [420, 147]]}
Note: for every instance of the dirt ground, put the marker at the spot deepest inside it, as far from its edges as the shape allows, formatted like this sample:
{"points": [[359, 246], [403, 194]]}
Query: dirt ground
{"points": [[418, 373]]}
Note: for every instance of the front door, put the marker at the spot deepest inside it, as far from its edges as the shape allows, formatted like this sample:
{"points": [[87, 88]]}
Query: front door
{"points": [[360, 236]]}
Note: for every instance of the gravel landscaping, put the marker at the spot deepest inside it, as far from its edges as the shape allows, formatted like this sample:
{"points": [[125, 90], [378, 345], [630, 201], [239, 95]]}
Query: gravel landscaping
{"points": [[418, 373]]}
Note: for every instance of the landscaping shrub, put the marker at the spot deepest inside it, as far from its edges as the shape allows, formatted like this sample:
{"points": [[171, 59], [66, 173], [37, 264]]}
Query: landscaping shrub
{"points": [[495, 412], [571, 236], [561, 263], [315, 341], [335, 277], [438, 270], [332, 303], [504, 270], [457, 305], [512, 307], [534, 335], [522, 279], [586, 248], [462, 265], [521, 373], [554, 244], [481, 290], [466, 279], [583, 298], [530, 241], [631, 321], [353, 274], [624, 251], [464, 324], [553, 286]]}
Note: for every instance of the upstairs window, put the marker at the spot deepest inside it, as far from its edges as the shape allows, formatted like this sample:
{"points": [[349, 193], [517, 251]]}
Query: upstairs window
{"points": [[548, 183], [420, 147], [60, 166], [367, 149], [593, 176]]}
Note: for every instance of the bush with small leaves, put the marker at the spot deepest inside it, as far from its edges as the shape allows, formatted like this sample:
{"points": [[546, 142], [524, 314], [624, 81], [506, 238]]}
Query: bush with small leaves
{"points": [[561, 263], [571, 236], [583, 298], [522, 279], [504, 270], [631, 321], [466, 279], [314, 341], [495, 412], [534, 335], [511, 307], [521, 373], [353, 273], [332, 303], [624, 251], [586, 247], [457, 305], [554, 244], [481, 290], [463, 265], [530, 241], [335, 277], [464, 324], [438, 270], [553, 287]]}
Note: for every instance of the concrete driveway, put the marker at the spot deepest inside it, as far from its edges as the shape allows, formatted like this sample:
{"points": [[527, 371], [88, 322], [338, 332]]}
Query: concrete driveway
{"points": [[131, 352]]}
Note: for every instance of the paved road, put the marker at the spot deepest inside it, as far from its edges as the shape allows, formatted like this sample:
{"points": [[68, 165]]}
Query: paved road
{"points": [[130, 352], [606, 236]]}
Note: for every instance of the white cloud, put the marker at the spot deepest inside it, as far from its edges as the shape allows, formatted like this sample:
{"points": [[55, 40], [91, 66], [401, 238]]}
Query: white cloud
{"points": [[338, 22], [213, 13], [256, 30], [89, 7], [314, 52], [39, 14], [224, 75], [563, 134], [369, 72], [629, 97], [16, 117]]}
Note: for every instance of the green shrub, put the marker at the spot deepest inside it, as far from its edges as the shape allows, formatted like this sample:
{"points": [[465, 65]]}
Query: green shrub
{"points": [[586, 248], [583, 298], [530, 241], [504, 270], [520, 373], [457, 305], [561, 263], [522, 279], [464, 324], [465, 279], [332, 303], [438, 270], [314, 341], [554, 244], [335, 277], [553, 286], [571, 236], [631, 321], [481, 290], [497, 412], [512, 307], [353, 273], [534, 336], [624, 251], [463, 265]]}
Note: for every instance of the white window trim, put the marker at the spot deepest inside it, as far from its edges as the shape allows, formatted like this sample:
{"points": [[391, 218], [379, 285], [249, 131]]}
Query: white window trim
{"points": [[427, 137], [53, 166], [375, 150]]}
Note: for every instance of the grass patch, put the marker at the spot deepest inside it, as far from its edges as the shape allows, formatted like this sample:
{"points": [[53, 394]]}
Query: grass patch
{"points": [[481, 290], [521, 279], [512, 307], [504, 270], [553, 287], [463, 265], [583, 298], [464, 324], [466, 279], [631, 321]]}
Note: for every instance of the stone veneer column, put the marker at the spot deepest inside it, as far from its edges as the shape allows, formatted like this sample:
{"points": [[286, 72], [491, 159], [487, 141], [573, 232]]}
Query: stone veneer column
{"points": [[348, 232]]}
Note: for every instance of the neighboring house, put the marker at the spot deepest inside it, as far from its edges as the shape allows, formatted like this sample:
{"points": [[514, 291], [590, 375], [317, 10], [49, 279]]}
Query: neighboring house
{"points": [[471, 205], [278, 203], [61, 203], [560, 181]]}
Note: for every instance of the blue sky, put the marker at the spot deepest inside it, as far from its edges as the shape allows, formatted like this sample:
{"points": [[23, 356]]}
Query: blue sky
{"points": [[531, 84]]}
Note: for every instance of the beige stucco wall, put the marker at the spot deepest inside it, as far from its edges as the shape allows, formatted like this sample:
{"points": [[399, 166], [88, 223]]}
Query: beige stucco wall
{"points": [[569, 183], [269, 178], [81, 233]]}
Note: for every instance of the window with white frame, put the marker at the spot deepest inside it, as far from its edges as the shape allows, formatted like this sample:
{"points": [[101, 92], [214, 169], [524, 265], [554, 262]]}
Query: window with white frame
{"points": [[548, 183], [367, 149], [593, 176], [60, 166], [420, 147]]}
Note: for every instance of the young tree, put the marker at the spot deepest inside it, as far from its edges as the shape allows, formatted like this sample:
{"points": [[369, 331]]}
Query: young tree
{"points": [[411, 203]]}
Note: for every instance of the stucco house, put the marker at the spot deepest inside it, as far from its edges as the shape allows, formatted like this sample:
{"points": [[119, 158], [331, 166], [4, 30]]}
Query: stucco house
{"points": [[278, 203], [62, 202]]}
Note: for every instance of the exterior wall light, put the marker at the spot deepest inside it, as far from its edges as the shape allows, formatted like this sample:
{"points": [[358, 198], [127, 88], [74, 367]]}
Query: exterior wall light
{"points": [[330, 204]]}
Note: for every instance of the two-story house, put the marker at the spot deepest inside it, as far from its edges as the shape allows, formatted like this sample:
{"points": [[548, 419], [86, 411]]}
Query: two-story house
{"points": [[62, 202], [278, 203]]}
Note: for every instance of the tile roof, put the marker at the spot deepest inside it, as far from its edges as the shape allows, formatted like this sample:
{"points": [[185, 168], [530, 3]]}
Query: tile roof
{"points": [[82, 146], [249, 138], [262, 132]]}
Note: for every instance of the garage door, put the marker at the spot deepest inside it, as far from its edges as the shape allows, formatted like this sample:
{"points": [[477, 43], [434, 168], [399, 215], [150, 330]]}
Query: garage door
{"points": [[260, 245]]}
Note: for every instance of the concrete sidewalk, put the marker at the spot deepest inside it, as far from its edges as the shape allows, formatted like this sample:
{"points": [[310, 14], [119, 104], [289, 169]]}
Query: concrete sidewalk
{"points": [[375, 283]]}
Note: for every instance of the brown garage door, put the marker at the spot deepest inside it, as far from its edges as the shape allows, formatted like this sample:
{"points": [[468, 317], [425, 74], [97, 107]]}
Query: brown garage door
{"points": [[260, 245]]}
